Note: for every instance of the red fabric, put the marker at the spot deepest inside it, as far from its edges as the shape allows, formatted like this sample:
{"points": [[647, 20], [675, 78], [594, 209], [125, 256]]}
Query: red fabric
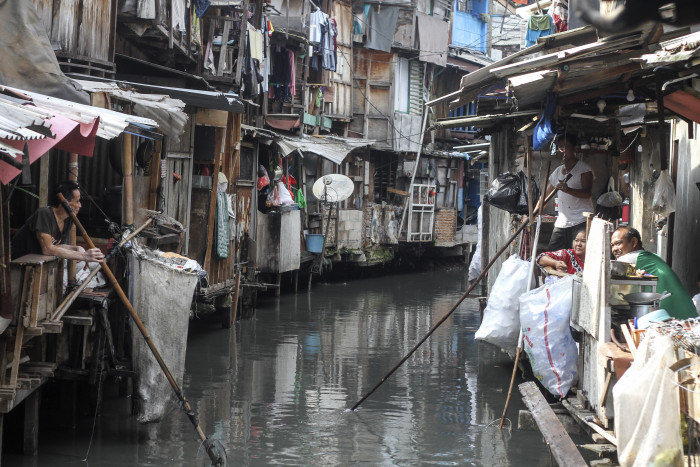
{"points": [[560, 23], [281, 124], [574, 264], [69, 135], [290, 181]]}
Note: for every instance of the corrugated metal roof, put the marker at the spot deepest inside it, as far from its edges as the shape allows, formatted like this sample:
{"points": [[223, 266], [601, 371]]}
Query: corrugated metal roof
{"points": [[332, 148], [111, 124], [167, 112]]}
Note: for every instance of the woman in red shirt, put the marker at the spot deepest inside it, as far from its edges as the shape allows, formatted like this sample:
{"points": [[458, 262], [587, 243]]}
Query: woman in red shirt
{"points": [[568, 260]]}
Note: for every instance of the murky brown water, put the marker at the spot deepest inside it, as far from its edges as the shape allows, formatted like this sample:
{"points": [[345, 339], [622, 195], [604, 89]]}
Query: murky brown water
{"points": [[275, 391]]}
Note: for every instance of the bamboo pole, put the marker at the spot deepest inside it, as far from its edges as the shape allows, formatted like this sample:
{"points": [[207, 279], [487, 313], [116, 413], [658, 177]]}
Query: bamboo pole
{"points": [[406, 205], [214, 453]]}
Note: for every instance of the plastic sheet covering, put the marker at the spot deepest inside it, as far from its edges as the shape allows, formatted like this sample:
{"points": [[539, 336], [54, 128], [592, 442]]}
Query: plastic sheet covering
{"points": [[27, 59], [161, 294], [647, 411]]}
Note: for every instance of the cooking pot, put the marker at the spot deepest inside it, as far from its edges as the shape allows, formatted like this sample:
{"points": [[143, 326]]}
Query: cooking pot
{"points": [[642, 303]]}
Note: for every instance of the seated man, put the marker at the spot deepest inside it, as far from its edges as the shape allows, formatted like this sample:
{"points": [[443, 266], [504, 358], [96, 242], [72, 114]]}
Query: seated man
{"points": [[626, 244], [46, 231]]}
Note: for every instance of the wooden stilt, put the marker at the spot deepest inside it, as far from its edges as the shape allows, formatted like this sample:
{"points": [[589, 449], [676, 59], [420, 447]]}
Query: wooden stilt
{"points": [[296, 281], [30, 445], [279, 285], [236, 292]]}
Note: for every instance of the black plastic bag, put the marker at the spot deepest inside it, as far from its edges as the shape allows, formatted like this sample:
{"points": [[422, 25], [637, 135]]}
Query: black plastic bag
{"points": [[509, 192]]}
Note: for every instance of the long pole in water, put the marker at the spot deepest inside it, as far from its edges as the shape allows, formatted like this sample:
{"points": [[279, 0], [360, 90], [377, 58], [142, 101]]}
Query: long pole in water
{"points": [[216, 457], [459, 302], [519, 349]]}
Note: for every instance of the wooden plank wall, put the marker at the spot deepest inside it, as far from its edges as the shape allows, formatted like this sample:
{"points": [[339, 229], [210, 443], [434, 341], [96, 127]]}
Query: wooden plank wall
{"points": [[372, 96], [341, 80], [79, 26], [222, 269]]}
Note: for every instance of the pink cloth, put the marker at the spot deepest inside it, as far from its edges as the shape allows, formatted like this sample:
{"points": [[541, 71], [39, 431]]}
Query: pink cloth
{"points": [[293, 77]]}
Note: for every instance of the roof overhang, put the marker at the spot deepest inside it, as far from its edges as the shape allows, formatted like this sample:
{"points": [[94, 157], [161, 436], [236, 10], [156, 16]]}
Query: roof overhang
{"points": [[332, 148]]}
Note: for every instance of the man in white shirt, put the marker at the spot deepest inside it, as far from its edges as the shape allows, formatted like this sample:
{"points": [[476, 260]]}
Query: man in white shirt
{"points": [[574, 195]]}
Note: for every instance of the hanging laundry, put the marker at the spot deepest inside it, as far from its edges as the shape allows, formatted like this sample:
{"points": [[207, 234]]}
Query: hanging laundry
{"points": [[560, 15], [328, 51], [200, 7], [381, 27], [538, 26], [256, 43], [315, 20]]}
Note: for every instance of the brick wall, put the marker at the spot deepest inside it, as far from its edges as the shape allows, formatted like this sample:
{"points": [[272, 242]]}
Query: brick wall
{"points": [[445, 225]]}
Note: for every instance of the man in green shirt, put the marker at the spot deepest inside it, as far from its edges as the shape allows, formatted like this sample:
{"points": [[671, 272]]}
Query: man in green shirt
{"points": [[626, 244]]}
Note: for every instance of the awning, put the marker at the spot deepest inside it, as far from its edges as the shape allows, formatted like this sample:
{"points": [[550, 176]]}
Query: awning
{"points": [[32, 124], [332, 148], [167, 112]]}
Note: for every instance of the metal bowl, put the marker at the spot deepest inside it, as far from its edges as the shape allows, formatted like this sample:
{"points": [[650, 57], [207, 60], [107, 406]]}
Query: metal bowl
{"points": [[621, 269]]}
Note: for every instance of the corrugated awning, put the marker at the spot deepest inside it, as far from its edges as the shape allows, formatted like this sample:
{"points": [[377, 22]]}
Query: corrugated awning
{"points": [[33, 123], [332, 148], [167, 112]]}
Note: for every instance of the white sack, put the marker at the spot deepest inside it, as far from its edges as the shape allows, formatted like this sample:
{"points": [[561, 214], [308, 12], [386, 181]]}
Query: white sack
{"points": [[161, 295], [475, 265], [501, 324], [544, 315], [647, 412]]}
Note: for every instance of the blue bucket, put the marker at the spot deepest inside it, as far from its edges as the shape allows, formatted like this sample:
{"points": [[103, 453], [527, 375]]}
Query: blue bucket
{"points": [[314, 243]]}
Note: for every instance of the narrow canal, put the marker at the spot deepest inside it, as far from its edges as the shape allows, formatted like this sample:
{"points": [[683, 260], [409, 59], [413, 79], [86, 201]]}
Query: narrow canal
{"points": [[276, 389]]}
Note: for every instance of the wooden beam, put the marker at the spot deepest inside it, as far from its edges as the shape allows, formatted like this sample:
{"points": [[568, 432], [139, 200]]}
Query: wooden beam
{"points": [[562, 447], [241, 44], [212, 201]]}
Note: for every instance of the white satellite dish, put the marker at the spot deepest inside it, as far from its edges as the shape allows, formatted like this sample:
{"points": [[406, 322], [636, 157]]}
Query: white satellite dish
{"points": [[333, 188]]}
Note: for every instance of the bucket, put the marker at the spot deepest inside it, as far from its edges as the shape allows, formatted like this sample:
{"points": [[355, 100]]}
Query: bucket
{"points": [[314, 243]]}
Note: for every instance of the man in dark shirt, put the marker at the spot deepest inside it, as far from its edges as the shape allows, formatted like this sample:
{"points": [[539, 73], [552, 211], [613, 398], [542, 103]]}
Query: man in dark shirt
{"points": [[46, 231]]}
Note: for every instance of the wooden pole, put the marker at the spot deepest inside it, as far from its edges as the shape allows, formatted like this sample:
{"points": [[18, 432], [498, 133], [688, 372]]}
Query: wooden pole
{"points": [[72, 176], [236, 290], [212, 202], [215, 455], [520, 336], [461, 299], [128, 181]]}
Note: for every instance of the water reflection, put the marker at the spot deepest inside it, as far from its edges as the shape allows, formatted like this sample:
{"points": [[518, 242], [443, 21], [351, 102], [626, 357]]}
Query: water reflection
{"points": [[275, 391]]}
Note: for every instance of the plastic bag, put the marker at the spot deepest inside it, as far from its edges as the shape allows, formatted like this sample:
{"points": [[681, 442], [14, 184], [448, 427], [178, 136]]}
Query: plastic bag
{"points": [[647, 419], [664, 201], [544, 317], [501, 323], [285, 195], [263, 178], [546, 129], [611, 198], [509, 192], [300, 199], [475, 264], [273, 197]]}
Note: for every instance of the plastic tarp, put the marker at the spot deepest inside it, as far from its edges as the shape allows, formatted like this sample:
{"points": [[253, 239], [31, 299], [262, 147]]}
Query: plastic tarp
{"points": [[647, 408], [161, 293], [27, 59]]}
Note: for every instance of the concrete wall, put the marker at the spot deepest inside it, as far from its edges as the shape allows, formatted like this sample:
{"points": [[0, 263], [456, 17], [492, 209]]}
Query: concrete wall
{"points": [[350, 229]]}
